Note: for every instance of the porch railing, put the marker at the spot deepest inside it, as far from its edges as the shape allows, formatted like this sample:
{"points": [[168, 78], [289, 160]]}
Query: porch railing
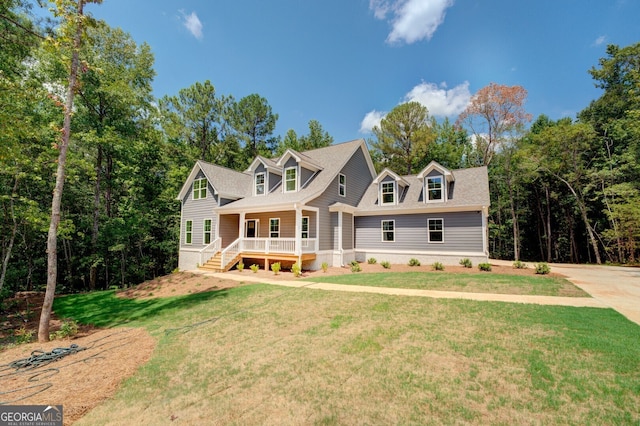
{"points": [[230, 252], [278, 245], [208, 251]]}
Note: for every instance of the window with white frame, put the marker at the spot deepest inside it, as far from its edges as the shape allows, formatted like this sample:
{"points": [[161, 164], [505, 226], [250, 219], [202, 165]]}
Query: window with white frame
{"points": [[206, 231], [388, 192], [260, 183], [435, 231], [304, 227], [188, 232], [388, 230], [274, 228], [291, 179], [435, 188], [199, 189], [342, 185]]}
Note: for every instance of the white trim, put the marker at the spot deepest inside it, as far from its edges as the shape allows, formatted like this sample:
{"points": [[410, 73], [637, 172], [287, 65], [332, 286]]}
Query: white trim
{"points": [[264, 183], [394, 176], [302, 229], [382, 230], [431, 209], [185, 232], [342, 186], [204, 232], [429, 230], [394, 192], [443, 190], [270, 219], [434, 165], [284, 179]]}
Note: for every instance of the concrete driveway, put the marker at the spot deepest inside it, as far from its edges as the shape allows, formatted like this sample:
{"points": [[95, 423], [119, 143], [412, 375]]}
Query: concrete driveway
{"points": [[615, 286]]}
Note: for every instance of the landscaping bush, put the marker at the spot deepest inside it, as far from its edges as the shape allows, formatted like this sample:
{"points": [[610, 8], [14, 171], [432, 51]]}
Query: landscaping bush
{"points": [[371, 261], [385, 264], [484, 267], [255, 268], [68, 328], [275, 267], [296, 269], [542, 268], [466, 262], [324, 266], [414, 262], [519, 265], [240, 266], [355, 267], [437, 266]]}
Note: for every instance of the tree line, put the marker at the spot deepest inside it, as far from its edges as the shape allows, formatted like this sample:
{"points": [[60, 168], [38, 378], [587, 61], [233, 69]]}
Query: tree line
{"points": [[562, 190]]}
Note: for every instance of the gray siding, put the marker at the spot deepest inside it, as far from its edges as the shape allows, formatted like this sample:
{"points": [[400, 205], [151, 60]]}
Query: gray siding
{"points": [[358, 179], [462, 232], [274, 181], [304, 175], [197, 211]]}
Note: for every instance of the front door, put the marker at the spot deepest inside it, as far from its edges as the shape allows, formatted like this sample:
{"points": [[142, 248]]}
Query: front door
{"points": [[251, 228]]}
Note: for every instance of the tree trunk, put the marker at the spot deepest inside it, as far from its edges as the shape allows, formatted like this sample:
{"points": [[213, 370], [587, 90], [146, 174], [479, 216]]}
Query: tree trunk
{"points": [[548, 196], [12, 238], [93, 270], [52, 253]]}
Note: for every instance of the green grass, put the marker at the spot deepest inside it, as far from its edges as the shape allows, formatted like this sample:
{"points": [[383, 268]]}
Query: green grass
{"points": [[264, 354], [475, 283]]}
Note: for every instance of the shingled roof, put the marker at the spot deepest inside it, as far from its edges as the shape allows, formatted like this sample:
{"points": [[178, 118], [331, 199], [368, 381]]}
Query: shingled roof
{"points": [[226, 182], [471, 189]]}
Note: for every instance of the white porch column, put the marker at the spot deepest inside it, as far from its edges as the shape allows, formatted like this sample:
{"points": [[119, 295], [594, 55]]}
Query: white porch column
{"points": [[241, 229], [217, 231], [298, 247], [340, 238]]}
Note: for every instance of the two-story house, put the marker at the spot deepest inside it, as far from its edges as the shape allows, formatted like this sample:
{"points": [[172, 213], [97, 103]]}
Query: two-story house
{"points": [[328, 205]]}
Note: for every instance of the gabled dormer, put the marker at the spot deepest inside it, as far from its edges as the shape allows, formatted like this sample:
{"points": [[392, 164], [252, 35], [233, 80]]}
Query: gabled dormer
{"points": [[297, 170], [390, 187], [436, 181], [266, 175]]}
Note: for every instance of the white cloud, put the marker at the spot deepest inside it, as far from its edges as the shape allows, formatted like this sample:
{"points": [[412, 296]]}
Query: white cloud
{"points": [[600, 40], [193, 24], [371, 120], [439, 101], [412, 20]]}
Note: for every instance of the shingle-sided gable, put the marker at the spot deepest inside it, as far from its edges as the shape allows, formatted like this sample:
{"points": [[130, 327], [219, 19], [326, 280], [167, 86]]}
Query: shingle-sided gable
{"points": [[225, 182]]}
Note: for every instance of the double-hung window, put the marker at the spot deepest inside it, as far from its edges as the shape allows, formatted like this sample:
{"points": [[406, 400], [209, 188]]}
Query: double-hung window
{"points": [[274, 228], [435, 230], [388, 230], [260, 183], [199, 189], [304, 226], [206, 231], [291, 179], [435, 188], [342, 185], [188, 232], [388, 192]]}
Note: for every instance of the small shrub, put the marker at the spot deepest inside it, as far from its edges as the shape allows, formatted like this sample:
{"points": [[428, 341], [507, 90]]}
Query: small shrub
{"points": [[23, 335], [385, 264], [414, 262], [542, 268], [466, 262], [485, 266], [372, 261], [240, 266], [255, 268], [355, 267], [519, 265], [437, 266], [275, 267], [324, 266], [68, 328], [296, 269]]}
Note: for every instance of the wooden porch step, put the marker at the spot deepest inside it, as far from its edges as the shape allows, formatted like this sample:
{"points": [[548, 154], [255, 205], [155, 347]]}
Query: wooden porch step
{"points": [[214, 264]]}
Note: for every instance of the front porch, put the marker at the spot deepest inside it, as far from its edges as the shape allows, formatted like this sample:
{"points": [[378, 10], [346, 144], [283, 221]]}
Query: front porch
{"points": [[267, 250]]}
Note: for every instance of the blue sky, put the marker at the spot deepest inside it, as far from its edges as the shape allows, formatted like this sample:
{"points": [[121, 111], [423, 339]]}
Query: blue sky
{"points": [[347, 62]]}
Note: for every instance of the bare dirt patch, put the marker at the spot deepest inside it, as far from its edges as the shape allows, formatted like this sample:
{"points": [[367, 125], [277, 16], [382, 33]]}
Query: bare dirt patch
{"points": [[81, 380], [177, 284]]}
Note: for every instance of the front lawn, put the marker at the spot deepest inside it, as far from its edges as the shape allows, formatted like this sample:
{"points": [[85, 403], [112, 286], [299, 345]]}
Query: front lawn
{"points": [[484, 282], [273, 355]]}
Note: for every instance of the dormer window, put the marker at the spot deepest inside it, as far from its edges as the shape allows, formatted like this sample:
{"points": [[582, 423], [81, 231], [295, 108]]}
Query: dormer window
{"points": [[260, 183], [388, 192], [435, 188], [291, 179], [199, 189]]}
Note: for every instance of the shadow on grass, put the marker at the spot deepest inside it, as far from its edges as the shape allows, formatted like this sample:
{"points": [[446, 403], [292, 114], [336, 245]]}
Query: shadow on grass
{"points": [[105, 309]]}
